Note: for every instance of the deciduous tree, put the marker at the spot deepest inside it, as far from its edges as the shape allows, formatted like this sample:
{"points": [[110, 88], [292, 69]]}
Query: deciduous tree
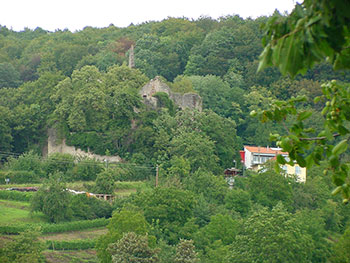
{"points": [[53, 200], [271, 236], [185, 252], [133, 248], [122, 222]]}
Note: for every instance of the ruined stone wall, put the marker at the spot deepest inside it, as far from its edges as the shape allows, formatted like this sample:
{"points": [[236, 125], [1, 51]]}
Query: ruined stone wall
{"points": [[187, 100], [154, 86], [55, 146]]}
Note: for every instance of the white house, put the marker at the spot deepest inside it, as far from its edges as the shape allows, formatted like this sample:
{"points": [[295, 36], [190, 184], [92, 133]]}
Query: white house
{"points": [[253, 157]]}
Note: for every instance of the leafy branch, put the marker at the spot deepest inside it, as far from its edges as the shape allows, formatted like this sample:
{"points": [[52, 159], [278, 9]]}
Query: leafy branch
{"points": [[331, 142]]}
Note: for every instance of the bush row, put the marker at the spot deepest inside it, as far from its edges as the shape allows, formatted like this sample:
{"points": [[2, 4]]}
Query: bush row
{"points": [[74, 226], [14, 229], [19, 177], [70, 245], [15, 195], [31, 168], [56, 228]]}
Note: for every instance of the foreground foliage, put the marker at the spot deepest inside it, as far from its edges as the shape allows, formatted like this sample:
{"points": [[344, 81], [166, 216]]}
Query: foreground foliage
{"points": [[314, 31]]}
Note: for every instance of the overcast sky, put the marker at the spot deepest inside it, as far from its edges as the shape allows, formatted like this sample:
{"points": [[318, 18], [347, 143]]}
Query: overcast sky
{"points": [[76, 14]]}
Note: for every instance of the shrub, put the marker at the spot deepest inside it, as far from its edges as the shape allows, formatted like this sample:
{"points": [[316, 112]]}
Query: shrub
{"points": [[87, 170], [89, 207], [30, 162], [165, 102], [15, 195], [104, 183], [127, 172], [53, 200], [60, 162], [19, 177]]}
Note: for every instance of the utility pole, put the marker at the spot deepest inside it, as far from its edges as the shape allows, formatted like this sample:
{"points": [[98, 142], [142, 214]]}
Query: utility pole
{"points": [[157, 175]]}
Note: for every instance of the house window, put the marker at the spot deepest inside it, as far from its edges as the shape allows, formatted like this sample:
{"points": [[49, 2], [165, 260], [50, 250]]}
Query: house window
{"points": [[256, 159], [284, 168], [297, 170]]}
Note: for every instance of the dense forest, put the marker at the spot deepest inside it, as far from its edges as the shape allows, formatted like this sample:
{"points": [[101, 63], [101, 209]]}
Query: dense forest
{"points": [[80, 84]]}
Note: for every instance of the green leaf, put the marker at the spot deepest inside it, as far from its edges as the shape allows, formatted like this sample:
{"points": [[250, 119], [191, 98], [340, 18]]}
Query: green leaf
{"points": [[301, 161], [309, 161], [314, 20], [336, 190], [328, 134], [265, 58], [334, 161], [304, 115], [342, 130], [286, 144], [325, 110], [280, 159], [340, 147], [274, 137]]}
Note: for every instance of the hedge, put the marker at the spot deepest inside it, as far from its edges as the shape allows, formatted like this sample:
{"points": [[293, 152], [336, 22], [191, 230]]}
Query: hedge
{"points": [[74, 225], [56, 228], [14, 229], [78, 244], [19, 177], [15, 195]]}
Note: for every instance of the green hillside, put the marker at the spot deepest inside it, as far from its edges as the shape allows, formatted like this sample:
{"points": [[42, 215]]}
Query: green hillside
{"points": [[168, 199]]}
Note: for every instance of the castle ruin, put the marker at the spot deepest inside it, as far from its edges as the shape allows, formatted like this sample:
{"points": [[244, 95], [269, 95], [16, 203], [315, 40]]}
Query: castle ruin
{"points": [[187, 100]]}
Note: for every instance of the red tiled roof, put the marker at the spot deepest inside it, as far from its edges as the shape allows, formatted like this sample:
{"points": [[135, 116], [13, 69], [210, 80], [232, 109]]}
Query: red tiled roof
{"points": [[256, 149]]}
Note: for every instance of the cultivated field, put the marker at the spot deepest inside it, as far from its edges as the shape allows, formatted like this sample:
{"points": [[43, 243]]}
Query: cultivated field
{"points": [[64, 243]]}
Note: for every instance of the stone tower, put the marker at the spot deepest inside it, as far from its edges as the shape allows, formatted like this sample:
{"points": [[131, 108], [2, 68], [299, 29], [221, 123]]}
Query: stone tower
{"points": [[131, 57]]}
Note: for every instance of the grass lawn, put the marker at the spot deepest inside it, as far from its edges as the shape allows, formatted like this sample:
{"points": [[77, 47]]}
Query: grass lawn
{"points": [[12, 212]]}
